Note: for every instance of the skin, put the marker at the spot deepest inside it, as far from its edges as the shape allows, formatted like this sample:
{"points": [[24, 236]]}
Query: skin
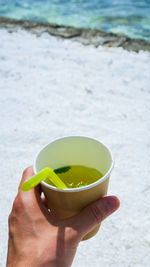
{"points": [[38, 239]]}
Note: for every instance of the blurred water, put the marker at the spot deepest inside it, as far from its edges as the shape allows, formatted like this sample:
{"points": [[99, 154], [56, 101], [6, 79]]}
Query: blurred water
{"points": [[129, 17]]}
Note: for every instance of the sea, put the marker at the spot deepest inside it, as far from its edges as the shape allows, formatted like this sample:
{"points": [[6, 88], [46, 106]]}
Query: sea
{"points": [[128, 17]]}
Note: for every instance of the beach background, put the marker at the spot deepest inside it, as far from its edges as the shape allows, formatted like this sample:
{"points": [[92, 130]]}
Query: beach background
{"points": [[50, 87]]}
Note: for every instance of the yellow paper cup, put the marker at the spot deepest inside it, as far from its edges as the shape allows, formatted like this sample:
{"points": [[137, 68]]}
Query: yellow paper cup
{"points": [[75, 150]]}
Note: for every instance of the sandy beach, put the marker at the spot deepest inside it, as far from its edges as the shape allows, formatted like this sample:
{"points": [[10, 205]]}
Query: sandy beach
{"points": [[52, 87]]}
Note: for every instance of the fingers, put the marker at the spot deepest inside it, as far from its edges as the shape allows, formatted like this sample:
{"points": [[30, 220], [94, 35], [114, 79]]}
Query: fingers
{"points": [[28, 172], [33, 194], [32, 199], [94, 214]]}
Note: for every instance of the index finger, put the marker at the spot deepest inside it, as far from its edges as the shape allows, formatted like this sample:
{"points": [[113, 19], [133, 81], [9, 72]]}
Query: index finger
{"points": [[32, 198], [28, 173]]}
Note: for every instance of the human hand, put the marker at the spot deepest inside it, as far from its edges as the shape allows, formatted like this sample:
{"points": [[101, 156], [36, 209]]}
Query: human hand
{"points": [[38, 239]]}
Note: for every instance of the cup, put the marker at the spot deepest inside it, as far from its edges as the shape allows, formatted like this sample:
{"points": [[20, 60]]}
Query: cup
{"points": [[74, 150]]}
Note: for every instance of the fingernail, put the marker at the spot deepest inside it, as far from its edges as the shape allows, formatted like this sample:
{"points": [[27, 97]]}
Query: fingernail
{"points": [[112, 203]]}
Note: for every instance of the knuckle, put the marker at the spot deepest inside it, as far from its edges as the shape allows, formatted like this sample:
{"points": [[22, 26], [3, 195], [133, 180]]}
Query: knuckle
{"points": [[15, 215], [96, 213], [12, 223], [26, 170], [10, 235], [9, 219], [12, 219], [107, 208], [17, 205]]}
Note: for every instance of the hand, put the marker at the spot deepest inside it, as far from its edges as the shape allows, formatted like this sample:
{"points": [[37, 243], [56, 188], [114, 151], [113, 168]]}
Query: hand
{"points": [[38, 239]]}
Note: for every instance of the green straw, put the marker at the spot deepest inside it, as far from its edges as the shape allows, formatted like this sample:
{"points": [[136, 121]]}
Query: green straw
{"points": [[42, 175]]}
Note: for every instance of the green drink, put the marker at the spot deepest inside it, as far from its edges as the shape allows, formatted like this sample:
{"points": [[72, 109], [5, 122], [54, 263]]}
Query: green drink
{"points": [[76, 176]]}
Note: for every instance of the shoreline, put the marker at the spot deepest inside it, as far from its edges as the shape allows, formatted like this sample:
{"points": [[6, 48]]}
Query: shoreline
{"points": [[85, 36]]}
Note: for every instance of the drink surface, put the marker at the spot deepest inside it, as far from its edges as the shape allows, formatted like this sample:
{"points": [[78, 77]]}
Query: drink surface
{"points": [[77, 176]]}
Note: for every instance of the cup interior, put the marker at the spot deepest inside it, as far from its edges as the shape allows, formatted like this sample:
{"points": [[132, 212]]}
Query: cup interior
{"points": [[75, 151]]}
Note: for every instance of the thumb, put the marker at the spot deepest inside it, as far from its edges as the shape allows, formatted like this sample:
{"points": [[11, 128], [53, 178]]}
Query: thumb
{"points": [[94, 214]]}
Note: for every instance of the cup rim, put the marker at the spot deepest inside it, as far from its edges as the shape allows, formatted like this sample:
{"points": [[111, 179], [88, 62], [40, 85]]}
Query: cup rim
{"points": [[70, 190]]}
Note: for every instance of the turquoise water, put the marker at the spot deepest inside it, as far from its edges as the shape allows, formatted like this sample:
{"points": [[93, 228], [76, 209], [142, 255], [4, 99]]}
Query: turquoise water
{"points": [[129, 17]]}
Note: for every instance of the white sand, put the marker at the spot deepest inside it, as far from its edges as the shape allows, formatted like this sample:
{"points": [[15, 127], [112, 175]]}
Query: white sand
{"points": [[52, 88]]}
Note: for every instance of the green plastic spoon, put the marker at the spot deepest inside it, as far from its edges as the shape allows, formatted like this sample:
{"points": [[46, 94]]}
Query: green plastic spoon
{"points": [[42, 175]]}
